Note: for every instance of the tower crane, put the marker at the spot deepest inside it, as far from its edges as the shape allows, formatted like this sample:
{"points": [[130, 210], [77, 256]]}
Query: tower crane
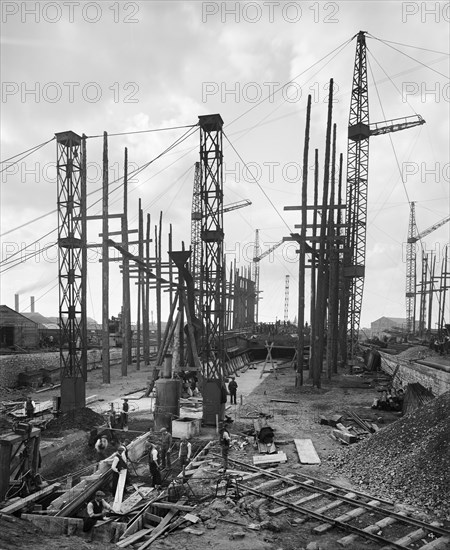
{"points": [[256, 260], [413, 237], [196, 223], [286, 299], [359, 131], [236, 205]]}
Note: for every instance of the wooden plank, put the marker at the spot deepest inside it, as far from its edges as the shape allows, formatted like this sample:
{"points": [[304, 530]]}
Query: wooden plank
{"points": [[134, 538], [30, 498], [375, 528], [269, 459], [148, 516], [174, 506], [159, 530], [344, 437], [135, 498], [117, 504], [438, 544], [306, 452]]}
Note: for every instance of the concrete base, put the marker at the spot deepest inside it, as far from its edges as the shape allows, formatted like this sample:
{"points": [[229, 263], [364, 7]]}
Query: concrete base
{"points": [[186, 427], [73, 394], [54, 525]]}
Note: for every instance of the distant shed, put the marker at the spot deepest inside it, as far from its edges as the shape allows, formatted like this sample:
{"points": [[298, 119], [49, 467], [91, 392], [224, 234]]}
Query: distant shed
{"points": [[17, 333]]}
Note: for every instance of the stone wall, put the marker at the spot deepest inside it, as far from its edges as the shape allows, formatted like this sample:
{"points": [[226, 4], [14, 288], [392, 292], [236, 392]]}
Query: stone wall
{"points": [[409, 372], [13, 366]]}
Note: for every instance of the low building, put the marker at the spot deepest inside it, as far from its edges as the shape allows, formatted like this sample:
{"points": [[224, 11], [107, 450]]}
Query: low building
{"points": [[384, 326], [17, 332], [48, 330]]}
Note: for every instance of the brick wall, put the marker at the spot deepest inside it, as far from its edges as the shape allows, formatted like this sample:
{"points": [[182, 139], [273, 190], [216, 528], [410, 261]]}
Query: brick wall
{"points": [[409, 373], [13, 365]]}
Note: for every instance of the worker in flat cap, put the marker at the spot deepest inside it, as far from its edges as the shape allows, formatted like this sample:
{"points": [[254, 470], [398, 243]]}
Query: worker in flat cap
{"points": [[166, 446], [119, 463], [96, 510]]}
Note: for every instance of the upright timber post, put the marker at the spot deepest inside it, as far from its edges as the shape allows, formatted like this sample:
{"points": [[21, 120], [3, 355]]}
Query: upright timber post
{"points": [[212, 276], [71, 211], [126, 325], [105, 267], [302, 254]]}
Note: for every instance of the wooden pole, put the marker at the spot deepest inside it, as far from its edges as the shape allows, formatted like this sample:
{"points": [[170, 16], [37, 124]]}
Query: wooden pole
{"points": [[302, 255], [158, 282], [430, 298], [126, 314], [170, 265], [333, 266], [140, 289], [84, 258], [322, 274], [105, 267], [312, 321], [145, 299]]}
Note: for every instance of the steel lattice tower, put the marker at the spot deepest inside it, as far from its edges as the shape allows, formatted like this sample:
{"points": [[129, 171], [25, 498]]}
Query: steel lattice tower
{"points": [[71, 243], [212, 277], [196, 226], [286, 299], [357, 177], [411, 272], [255, 264]]}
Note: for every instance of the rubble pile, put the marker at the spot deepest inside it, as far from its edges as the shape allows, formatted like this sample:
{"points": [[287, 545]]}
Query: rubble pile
{"points": [[408, 460], [82, 419]]}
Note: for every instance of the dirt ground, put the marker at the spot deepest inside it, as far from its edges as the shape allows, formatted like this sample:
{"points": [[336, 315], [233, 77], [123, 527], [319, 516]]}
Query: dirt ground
{"points": [[294, 413]]}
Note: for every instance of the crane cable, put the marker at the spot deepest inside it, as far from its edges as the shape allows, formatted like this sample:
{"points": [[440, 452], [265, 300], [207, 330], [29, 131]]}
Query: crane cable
{"points": [[137, 171]]}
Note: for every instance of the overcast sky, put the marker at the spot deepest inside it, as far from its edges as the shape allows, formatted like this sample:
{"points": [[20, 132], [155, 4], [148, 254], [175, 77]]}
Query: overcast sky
{"points": [[124, 67]]}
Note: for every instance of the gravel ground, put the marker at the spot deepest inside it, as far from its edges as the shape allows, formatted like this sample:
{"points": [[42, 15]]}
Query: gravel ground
{"points": [[408, 460]]}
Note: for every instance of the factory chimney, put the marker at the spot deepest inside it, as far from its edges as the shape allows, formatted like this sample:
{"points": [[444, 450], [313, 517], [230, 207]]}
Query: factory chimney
{"points": [[32, 304], [16, 302]]}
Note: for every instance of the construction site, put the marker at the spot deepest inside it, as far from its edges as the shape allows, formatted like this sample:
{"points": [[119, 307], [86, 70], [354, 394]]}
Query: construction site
{"points": [[188, 420]]}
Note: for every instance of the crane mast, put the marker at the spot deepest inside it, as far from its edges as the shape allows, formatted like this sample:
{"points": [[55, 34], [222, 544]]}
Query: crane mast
{"points": [[359, 131], [413, 237], [411, 271]]}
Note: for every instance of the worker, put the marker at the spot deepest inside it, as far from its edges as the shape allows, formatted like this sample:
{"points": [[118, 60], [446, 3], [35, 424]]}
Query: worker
{"points": [[153, 465], [96, 510], [30, 408], [184, 452], [111, 416], [232, 388], [101, 446], [225, 440], [119, 463], [166, 445], [124, 415]]}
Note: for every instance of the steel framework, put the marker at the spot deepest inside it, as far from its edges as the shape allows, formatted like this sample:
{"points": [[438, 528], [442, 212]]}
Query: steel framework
{"points": [[196, 227], [359, 132], [255, 274], [286, 299], [411, 271], [71, 189], [357, 173], [212, 235]]}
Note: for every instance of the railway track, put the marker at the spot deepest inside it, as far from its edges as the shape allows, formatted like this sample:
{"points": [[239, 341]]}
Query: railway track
{"points": [[305, 498]]}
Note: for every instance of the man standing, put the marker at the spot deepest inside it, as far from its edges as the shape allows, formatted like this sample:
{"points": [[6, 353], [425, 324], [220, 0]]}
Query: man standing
{"points": [[184, 453], [30, 407], [101, 446], [166, 444], [232, 388], [119, 463], [96, 510], [124, 415], [225, 439], [153, 465]]}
